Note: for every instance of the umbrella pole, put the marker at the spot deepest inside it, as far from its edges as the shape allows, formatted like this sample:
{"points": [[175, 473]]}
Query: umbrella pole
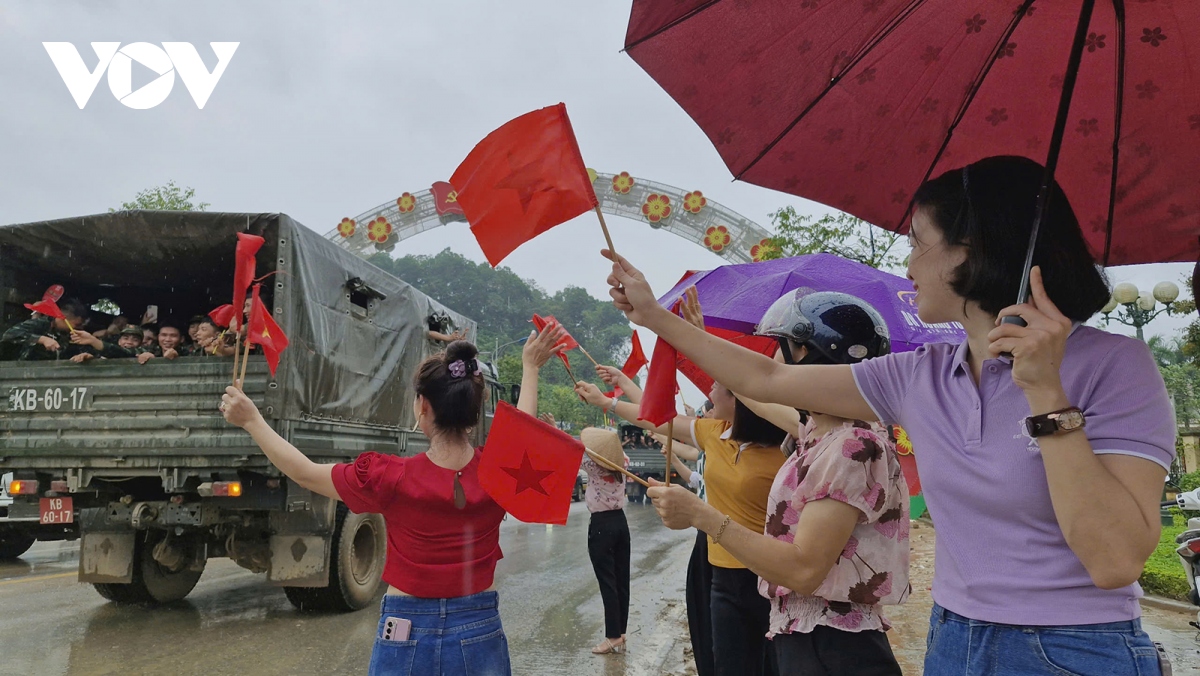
{"points": [[1056, 139], [670, 452]]}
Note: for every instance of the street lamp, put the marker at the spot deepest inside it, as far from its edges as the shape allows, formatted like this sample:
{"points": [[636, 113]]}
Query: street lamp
{"points": [[495, 354], [1139, 308]]}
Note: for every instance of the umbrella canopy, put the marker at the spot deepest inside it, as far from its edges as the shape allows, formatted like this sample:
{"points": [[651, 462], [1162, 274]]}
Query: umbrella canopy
{"points": [[734, 297], [856, 103]]}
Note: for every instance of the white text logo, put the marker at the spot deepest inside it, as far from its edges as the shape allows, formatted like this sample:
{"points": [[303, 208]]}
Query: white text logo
{"points": [[172, 57]]}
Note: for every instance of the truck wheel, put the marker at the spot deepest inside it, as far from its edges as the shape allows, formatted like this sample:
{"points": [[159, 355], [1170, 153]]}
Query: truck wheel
{"points": [[358, 552], [14, 542], [578, 494], [152, 583]]}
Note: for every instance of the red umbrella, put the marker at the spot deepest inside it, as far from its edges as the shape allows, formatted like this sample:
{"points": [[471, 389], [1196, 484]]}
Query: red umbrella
{"points": [[855, 103]]}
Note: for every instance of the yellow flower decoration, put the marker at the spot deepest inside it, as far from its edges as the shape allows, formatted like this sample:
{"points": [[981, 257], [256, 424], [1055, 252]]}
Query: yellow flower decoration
{"points": [[378, 230], [622, 183], [592, 175], [346, 227], [656, 208], [406, 203], [764, 250], [717, 238], [694, 201], [903, 443]]}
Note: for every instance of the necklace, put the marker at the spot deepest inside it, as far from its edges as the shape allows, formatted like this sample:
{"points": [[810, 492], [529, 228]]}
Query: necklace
{"points": [[460, 496]]}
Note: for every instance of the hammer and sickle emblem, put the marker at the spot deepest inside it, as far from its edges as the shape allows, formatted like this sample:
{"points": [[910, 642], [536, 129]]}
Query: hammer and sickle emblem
{"points": [[453, 196]]}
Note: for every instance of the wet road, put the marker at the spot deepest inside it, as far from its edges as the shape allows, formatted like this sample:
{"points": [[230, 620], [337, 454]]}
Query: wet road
{"points": [[233, 623]]}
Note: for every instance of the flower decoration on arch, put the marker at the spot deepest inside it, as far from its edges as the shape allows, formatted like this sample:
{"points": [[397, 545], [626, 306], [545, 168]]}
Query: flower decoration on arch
{"points": [[622, 183], [405, 203], [694, 201], [764, 250], [717, 238], [656, 207], [379, 230], [347, 227]]}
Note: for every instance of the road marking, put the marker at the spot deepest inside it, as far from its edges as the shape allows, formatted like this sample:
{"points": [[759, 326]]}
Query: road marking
{"points": [[35, 579]]}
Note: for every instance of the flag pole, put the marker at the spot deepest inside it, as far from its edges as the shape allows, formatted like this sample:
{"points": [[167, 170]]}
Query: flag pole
{"points": [[245, 359], [604, 227], [237, 350], [603, 462], [670, 451], [585, 353]]}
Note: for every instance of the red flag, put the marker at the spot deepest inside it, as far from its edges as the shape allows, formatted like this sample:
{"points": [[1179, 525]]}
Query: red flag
{"points": [[222, 315], [263, 330], [46, 306], [658, 397], [542, 322], [445, 201], [523, 179], [243, 271], [635, 362], [529, 467]]}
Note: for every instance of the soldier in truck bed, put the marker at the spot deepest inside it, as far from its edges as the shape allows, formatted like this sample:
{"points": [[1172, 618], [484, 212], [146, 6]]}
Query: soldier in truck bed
{"points": [[124, 346], [41, 338]]}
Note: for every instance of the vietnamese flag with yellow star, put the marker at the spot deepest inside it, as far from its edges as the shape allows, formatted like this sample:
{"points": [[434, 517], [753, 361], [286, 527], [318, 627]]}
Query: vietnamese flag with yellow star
{"points": [[521, 180], [262, 330], [529, 467]]}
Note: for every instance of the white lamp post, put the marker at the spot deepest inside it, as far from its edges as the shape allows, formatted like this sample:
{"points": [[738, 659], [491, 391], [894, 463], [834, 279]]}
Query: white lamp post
{"points": [[1138, 308]]}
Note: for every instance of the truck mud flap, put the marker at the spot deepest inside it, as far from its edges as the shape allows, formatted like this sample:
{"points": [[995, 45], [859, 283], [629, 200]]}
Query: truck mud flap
{"points": [[299, 560], [106, 558]]}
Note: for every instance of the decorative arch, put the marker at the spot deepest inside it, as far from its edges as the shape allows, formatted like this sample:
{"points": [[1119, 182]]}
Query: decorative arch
{"points": [[690, 214]]}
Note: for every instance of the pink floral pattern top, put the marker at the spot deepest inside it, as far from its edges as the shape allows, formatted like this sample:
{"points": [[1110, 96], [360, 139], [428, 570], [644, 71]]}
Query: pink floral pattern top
{"points": [[855, 464], [605, 489]]}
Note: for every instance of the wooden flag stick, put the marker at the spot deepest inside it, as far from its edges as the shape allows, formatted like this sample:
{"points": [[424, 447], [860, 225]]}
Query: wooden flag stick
{"points": [[245, 359], [585, 353], [604, 227], [603, 462], [670, 452], [568, 368], [237, 350]]}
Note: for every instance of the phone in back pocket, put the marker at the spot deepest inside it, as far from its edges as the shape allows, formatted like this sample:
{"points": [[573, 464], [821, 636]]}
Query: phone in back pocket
{"points": [[396, 629]]}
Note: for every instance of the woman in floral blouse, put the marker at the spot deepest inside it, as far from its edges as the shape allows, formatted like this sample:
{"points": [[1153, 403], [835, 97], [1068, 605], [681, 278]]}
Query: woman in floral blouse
{"points": [[835, 546]]}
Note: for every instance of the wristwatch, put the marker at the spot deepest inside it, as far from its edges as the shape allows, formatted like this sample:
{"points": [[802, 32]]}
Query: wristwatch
{"points": [[1056, 422]]}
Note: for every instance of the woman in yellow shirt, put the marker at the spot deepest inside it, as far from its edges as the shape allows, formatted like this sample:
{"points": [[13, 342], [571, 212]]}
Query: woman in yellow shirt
{"points": [[742, 456]]}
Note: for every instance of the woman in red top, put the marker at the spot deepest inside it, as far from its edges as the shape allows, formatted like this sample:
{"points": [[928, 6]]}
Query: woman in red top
{"points": [[440, 615]]}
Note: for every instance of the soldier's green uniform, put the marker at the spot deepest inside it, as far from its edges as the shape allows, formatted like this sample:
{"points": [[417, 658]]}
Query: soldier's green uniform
{"points": [[20, 342]]}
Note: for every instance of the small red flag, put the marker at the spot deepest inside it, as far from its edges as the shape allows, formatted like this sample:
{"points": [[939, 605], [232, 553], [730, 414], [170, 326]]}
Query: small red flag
{"points": [[658, 397], [523, 179], [243, 271], [222, 315], [263, 330], [635, 362], [46, 306], [445, 200], [541, 323], [529, 467]]}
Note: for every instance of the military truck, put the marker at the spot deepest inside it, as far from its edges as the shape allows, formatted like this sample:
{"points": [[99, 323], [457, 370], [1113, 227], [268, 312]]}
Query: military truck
{"points": [[137, 462], [646, 459]]}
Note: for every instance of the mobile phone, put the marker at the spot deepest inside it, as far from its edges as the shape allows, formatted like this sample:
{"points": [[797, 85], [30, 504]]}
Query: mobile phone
{"points": [[1164, 660], [151, 316], [396, 629]]}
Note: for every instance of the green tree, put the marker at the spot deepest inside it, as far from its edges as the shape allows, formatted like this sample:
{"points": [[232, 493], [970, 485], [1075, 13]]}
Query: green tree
{"points": [[839, 233], [169, 197]]}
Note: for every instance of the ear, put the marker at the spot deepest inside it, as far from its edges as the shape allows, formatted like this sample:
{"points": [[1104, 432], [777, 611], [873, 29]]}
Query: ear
{"points": [[799, 352]]}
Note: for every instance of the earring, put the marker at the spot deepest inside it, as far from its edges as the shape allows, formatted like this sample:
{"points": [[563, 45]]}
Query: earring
{"points": [[417, 425]]}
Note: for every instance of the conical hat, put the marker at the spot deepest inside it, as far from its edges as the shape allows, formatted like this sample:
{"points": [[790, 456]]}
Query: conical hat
{"points": [[603, 443]]}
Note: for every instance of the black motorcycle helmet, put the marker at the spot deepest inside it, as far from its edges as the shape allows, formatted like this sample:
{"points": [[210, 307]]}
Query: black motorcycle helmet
{"points": [[837, 328]]}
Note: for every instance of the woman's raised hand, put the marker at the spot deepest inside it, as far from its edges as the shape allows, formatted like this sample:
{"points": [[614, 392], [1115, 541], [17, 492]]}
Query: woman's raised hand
{"points": [[630, 292], [591, 394], [611, 375], [540, 347], [238, 409], [690, 306]]}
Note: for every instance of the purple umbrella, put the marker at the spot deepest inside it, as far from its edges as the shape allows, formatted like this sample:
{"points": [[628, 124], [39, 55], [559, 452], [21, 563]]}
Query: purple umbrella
{"points": [[735, 297]]}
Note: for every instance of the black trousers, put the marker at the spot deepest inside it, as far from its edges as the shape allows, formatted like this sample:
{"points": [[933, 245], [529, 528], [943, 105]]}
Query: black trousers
{"points": [[740, 619], [699, 589], [833, 652], [608, 547]]}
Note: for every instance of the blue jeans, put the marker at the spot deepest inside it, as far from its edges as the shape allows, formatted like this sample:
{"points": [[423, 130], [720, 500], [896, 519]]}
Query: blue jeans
{"points": [[959, 646], [450, 637]]}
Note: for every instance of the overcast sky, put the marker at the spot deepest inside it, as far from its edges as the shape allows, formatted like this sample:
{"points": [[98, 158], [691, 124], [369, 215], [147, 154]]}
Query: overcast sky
{"points": [[328, 109]]}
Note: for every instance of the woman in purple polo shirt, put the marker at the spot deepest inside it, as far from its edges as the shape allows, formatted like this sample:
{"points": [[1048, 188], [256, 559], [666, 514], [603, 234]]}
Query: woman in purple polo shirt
{"points": [[1042, 472]]}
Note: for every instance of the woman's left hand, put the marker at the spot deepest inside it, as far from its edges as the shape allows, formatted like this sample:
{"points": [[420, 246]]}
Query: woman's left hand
{"points": [[676, 505], [238, 409], [540, 347], [1038, 347]]}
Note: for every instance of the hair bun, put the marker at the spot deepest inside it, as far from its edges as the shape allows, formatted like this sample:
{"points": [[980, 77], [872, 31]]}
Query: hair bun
{"points": [[461, 349]]}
